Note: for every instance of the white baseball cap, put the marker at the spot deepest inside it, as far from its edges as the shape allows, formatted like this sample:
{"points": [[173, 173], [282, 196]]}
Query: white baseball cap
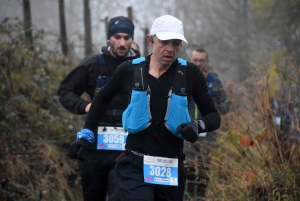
{"points": [[167, 27]]}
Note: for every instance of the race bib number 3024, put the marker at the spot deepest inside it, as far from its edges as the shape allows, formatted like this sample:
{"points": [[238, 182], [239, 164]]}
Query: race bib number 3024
{"points": [[111, 138], [161, 170]]}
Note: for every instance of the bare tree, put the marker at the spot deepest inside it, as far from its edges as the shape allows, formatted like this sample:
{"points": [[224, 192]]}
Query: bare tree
{"points": [[27, 21], [146, 47], [106, 27], [129, 13], [63, 32], [87, 28], [224, 29]]}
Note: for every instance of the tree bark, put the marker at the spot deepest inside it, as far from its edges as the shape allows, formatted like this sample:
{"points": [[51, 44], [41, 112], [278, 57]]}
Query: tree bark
{"points": [[63, 32], [146, 47], [27, 21], [87, 26], [129, 13], [106, 28]]}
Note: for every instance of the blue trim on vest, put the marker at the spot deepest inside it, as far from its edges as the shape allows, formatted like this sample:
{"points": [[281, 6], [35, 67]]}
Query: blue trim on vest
{"points": [[138, 60], [86, 134], [182, 62]]}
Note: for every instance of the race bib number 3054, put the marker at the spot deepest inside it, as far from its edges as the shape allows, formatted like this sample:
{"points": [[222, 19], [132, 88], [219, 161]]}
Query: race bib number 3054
{"points": [[111, 138], [160, 170]]}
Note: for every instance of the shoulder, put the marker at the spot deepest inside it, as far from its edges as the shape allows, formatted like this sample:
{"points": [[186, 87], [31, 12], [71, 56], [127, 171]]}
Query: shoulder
{"points": [[213, 76], [192, 69], [187, 64], [91, 60], [129, 65], [193, 73]]}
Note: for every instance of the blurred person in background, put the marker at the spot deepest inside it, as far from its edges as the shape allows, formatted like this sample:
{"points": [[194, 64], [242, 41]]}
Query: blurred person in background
{"points": [[198, 154], [90, 76], [157, 119], [135, 46]]}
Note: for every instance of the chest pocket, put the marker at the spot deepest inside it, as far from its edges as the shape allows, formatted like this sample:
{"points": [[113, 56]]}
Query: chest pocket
{"points": [[177, 112], [137, 115]]}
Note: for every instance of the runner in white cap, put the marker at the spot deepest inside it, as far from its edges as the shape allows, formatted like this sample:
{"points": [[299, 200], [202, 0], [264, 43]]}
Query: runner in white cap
{"points": [[157, 119]]}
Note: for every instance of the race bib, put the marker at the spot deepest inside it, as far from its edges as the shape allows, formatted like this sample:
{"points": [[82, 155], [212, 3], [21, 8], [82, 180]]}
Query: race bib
{"points": [[111, 138], [160, 170]]}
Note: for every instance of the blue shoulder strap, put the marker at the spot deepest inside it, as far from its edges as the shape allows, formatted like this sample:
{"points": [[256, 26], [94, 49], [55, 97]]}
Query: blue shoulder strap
{"points": [[182, 62], [179, 83], [101, 59], [138, 60]]}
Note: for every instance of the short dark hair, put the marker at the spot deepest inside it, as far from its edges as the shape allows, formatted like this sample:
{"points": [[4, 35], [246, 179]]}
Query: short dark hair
{"points": [[201, 50], [120, 24]]}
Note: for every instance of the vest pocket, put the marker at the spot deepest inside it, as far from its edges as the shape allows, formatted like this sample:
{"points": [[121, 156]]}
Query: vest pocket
{"points": [[177, 113], [137, 115]]}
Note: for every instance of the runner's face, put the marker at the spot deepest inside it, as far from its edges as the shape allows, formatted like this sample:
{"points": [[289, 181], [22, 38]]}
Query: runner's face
{"points": [[120, 44], [200, 59], [166, 51]]}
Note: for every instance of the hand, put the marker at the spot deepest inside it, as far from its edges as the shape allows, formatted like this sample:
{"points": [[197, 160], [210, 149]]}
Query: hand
{"points": [[77, 149], [189, 131], [87, 108]]}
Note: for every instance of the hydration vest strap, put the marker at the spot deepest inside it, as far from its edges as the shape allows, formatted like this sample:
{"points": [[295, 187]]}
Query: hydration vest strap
{"points": [[102, 69], [179, 84], [139, 74], [101, 59]]}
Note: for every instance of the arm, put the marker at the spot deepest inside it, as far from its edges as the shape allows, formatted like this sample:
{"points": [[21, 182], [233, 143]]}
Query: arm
{"points": [[78, 81], [202, 98], [210, 120], [87, 135], [221, 99]]}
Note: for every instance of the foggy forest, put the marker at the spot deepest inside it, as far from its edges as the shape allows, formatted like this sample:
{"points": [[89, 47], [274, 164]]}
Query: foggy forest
{"points": [[253, 47]]}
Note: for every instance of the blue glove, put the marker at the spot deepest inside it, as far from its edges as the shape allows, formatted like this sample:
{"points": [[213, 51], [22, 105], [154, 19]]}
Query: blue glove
{"points": [[189, 131], [77, 149]]}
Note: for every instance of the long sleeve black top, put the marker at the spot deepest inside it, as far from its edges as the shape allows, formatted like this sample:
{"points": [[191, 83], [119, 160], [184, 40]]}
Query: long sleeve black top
{"points": [[83, 79], [156, 140]]}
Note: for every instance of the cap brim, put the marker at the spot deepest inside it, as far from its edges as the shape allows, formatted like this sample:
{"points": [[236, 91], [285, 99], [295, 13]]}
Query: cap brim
{"points": [[170, 35]]}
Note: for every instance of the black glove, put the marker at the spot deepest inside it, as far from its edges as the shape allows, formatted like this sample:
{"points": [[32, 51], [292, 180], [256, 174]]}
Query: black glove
{"points": [[189, 131], [77, 149]]}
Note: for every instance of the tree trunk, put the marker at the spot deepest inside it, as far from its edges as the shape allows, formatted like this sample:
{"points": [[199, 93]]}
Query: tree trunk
{"points": [[129, 13], [27, 21], [106, 28], [243, 37], [87, 26], [63, 32], [146, 47]]}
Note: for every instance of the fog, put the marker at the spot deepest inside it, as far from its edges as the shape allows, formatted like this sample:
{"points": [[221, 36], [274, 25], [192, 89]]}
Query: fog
{"points": [[226, 29]]}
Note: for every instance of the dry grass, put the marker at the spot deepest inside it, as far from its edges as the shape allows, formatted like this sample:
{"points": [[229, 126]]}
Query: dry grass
{"points": [[255, 159]]}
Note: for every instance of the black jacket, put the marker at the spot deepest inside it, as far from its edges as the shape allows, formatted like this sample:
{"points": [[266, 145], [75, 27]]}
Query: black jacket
{"points": [[83, 79]]}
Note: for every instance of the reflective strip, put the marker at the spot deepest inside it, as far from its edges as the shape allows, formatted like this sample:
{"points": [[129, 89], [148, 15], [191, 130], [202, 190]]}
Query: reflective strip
{"points": [[137, 153], [150, 115], [168, 105]]}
